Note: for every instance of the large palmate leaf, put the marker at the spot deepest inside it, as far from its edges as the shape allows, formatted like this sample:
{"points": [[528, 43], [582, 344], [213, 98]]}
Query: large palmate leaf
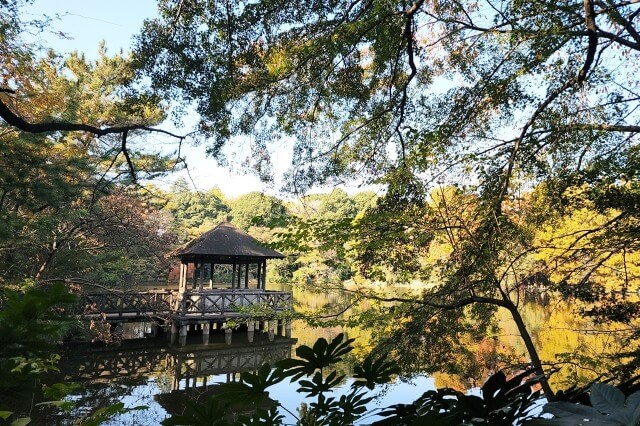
{"points": [[322, 355], [609, 408], [319, 384], [606, 398], [252, 388], [503, 402], [210, 413], [372, 372]]}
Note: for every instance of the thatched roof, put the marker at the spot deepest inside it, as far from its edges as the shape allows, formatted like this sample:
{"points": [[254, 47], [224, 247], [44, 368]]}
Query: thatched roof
{"points": [[226, 240]]}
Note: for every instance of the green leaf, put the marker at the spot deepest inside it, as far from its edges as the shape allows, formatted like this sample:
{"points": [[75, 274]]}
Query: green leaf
{"points": [[22, 421], [371, 373], [58, 391], [565, 409], [633, 401], [636, 413], [567, 421], [606, 398]]}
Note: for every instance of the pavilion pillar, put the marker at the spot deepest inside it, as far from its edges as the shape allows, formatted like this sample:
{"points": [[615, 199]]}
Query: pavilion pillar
{"points": [[258, 274], [201, 275], [246, 275], [211, 268], [182, 285], [264, 274], [195, 275], [239, 285], [233, 276]]}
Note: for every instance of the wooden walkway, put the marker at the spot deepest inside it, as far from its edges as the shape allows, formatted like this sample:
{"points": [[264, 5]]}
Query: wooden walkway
{"points": [[188, 308]]}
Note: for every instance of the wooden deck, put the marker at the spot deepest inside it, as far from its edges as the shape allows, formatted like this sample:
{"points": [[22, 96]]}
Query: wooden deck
{"points": [[189, 307]]}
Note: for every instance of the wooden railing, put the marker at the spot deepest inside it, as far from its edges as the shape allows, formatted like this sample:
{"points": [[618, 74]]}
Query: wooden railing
{"points": [[220, 302], [130, 304], [127, 303]]}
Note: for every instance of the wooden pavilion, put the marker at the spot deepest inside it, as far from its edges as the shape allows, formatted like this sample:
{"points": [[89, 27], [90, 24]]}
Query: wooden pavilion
{"points": [[233, 267], [224, 257]]}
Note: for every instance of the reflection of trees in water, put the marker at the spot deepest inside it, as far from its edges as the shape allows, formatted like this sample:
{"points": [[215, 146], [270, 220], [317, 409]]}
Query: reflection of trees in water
{"points": [[578, 347], [164, 379], [316, 298], [541, 298], [565, 339], [555, 328], [87, 399]]}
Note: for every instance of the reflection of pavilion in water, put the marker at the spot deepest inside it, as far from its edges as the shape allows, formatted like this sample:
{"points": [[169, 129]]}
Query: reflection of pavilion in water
{"points": [[189, 366]]}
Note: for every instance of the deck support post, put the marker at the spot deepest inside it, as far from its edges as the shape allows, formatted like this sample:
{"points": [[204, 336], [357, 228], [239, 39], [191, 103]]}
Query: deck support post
{"points": [[227, 335], [154, 329], [183, 335], [272, 329], [287, 328], [250, 330], [206, 327]]}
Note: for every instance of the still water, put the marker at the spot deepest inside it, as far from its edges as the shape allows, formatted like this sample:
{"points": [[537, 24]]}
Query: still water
{"points": [[161, 375]]}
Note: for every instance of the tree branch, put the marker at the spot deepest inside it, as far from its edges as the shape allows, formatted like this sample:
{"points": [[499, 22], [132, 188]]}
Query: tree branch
{"points": [[125, 151], [607, 127], [590, 23], [20, 123]]}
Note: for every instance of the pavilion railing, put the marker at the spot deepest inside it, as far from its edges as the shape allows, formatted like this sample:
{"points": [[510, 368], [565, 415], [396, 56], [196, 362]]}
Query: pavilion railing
{"points": [[137, 304], [212, 302], [127, 303]]}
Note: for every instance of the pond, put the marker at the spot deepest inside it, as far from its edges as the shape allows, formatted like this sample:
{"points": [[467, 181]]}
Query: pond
{"points": [[162, 375]]}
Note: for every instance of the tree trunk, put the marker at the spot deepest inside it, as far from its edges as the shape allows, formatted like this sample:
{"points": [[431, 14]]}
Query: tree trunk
{"points": [[533, 352]]}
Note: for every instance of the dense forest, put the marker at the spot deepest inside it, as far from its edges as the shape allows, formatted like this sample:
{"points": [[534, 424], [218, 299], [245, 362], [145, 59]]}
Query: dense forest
{"points": [[503, 137]]}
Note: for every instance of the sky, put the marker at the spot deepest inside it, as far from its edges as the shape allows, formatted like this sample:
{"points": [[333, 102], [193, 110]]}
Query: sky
{"points": [[85, 23]]}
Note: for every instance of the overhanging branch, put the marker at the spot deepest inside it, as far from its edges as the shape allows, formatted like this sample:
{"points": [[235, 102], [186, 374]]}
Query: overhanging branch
{"points": [[20, 123]]}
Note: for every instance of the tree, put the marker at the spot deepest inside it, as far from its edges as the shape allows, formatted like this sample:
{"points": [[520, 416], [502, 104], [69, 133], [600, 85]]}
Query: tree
{"points": [[195, 212], [505, 94], [48, 95], [63, 195], [257, 209]]}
